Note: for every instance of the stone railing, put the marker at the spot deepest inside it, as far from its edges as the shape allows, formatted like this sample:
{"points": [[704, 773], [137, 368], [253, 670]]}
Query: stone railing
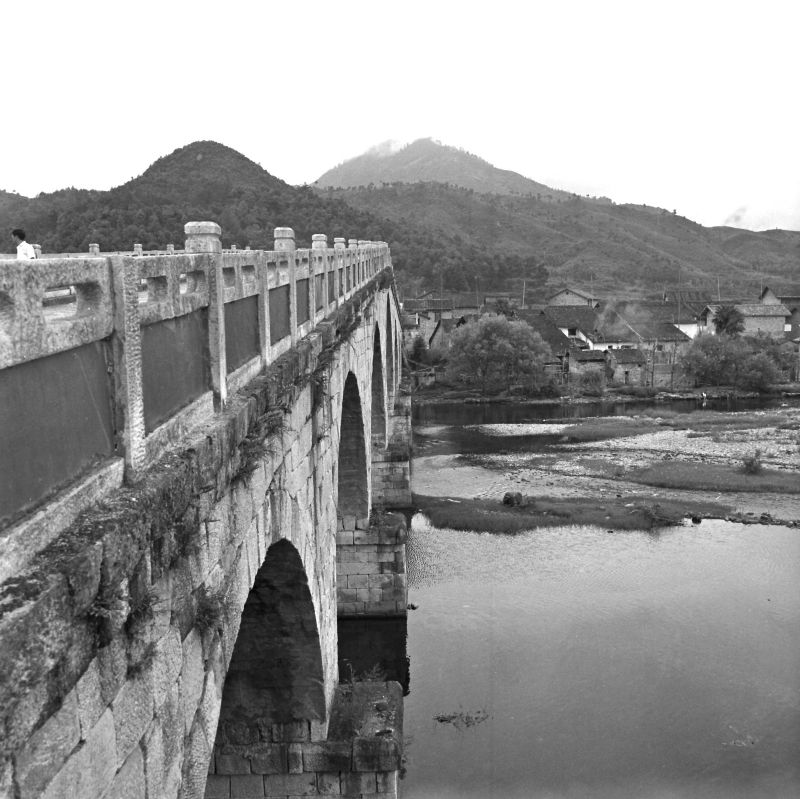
{"points": [[106, 359]]}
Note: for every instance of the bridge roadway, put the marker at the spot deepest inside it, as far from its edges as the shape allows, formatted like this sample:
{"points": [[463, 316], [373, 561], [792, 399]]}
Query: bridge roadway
{"points": [[198, 451]]}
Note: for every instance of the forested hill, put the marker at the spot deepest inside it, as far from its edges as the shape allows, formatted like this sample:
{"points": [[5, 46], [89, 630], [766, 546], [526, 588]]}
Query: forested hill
{"points": [[206, 180], [440, 235], [622, 249]]}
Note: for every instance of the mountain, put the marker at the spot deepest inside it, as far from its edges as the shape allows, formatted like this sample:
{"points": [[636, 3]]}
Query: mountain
{"points": [[206, 180], [428, 160], [441, 235], [620, 249]]}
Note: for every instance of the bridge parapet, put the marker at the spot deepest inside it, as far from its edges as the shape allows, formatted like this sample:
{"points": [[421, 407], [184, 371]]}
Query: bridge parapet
{"points": [[106, 359]]}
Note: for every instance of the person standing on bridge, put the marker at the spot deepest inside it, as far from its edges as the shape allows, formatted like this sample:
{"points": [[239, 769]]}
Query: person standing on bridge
{"points": [[24, 250]]}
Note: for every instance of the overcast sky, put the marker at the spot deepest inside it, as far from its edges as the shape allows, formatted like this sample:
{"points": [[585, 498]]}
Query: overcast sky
{"points": [[692, 106]]}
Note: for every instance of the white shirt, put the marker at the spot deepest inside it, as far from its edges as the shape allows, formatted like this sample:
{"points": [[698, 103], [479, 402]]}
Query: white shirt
{"points": [[25, 251]]}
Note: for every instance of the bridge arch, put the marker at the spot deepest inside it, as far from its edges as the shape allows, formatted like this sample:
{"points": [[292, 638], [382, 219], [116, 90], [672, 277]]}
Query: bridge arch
{"points": [[378, 394], [275, 674], [352, 482], [390, 352]]}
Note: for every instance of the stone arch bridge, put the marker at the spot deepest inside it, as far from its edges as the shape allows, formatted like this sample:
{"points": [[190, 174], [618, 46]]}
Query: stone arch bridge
{"points": [[199, 448]]}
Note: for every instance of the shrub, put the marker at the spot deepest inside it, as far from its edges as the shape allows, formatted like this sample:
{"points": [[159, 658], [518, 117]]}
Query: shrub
{"points": [[593, 384], [751, 464]]}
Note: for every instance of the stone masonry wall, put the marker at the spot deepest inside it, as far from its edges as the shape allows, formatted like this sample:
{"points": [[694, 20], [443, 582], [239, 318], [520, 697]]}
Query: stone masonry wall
{"points": [[114, 646], [371, 566]]}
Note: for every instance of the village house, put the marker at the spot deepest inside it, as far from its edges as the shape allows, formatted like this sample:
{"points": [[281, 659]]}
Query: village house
{"points": [[582, 362], [557, 366], [759, 317], [578, 322], [628, 366], [573, 297], [792, 323], [442, 333]]}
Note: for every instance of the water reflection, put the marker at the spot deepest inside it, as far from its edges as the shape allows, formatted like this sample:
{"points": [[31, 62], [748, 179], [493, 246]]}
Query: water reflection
{"points": [[494, 413], [374, 645], [621, 665]]}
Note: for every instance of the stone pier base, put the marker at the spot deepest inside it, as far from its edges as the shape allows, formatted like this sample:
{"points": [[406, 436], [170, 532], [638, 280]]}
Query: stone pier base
{"points": [[371, 566], [362, 756]]}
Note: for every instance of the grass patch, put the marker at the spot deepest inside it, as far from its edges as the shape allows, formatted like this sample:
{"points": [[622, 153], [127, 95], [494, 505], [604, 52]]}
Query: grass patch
{"points": [[604, 429], [636, 512], [713, 477]]}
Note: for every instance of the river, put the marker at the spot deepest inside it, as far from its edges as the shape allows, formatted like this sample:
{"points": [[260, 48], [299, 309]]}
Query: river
{"points": [[577, 663]]}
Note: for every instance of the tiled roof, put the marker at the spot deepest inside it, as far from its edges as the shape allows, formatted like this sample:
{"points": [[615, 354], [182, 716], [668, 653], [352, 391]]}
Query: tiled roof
{"points": [[580, 316], [587, 295], [549, 332], [587, 356], [754, 308], [757, 309], [628, 355]]}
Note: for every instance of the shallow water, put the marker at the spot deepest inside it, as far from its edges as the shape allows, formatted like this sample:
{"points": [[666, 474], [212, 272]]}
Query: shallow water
{"points": [[575, 663], [490, 413]]}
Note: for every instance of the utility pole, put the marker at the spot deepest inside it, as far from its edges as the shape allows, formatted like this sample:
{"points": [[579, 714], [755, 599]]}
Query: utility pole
{"points": [[523, 293]]}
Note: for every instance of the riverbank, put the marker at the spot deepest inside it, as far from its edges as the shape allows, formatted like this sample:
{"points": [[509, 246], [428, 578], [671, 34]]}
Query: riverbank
{"points": [[448, 394], [612, 470]]}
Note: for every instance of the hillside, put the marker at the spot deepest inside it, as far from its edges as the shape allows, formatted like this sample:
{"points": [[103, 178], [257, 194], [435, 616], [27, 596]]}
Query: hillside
{"points": [[427, 160], [206, 180], [440, 235], [620, 248]]}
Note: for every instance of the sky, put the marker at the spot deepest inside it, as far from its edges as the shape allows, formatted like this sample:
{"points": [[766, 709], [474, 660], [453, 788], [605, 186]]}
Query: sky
{"points": [[689, 106]]}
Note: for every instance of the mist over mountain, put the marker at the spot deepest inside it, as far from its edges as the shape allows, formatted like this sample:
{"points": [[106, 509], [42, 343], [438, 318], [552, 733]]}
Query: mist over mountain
{"points": [[431, 161], [630, 249]]}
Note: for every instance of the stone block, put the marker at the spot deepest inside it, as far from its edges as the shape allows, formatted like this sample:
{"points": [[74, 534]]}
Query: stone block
{"points": [[129, 782], [133, 711], [47, 749], [290, 785], [376, 754], [271, 759], [381, 581], [217, 787], [329, 783], [247, 786], [192, 676], [153, 749], [356, 784], [113, 667], [232, 763], [327, 756], [387, 782], [295, 759], [358, 581], [90, 770], [171, 721], [291, 732]]}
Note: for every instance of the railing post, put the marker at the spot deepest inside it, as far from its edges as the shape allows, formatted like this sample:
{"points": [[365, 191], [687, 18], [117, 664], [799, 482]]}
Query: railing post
{"points": [[137, 249], [127, 353], [94, 249], [284, 242], [352, 244], [204, 237], [170, 249], [339, 245], [319, 247]]}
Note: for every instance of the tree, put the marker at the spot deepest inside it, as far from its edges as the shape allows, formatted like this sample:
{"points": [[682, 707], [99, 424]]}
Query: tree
{"points": [[495, 353], [729, 321], [742, 362]]}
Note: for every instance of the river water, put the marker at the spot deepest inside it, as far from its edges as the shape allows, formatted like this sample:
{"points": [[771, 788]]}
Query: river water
{"points": [[577, 663]]}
